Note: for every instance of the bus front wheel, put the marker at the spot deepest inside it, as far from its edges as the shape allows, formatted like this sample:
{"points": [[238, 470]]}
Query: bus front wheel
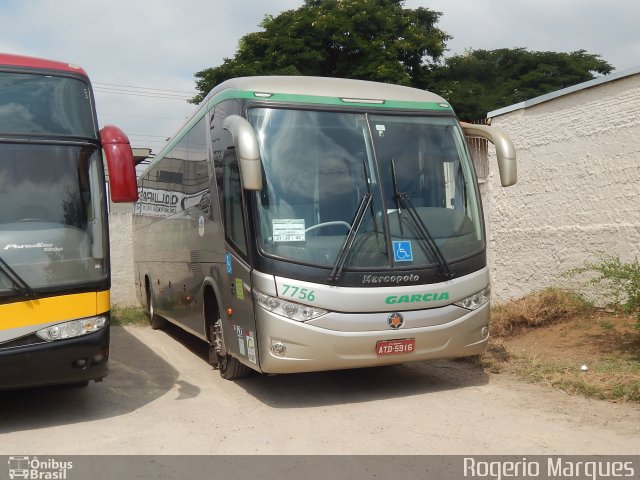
{"points": [[230, 368]]}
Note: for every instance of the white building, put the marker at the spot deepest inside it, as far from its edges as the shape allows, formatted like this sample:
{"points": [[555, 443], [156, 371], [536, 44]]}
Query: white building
{"points": [[578, 190]]}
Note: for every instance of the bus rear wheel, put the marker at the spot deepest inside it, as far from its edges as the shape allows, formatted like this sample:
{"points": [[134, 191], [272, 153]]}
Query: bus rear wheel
{"points": [[230, 368], [157, 323]]}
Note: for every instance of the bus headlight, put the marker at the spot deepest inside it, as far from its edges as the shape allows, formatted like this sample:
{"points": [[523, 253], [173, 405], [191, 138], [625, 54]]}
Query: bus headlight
{"points": [[73, 328], [476, 300], [292, 310]]}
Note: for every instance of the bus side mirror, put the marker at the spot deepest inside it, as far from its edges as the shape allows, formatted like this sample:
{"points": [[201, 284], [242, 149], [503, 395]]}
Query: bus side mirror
{"points": [[505, 151], [122, 170], [244, 138]]}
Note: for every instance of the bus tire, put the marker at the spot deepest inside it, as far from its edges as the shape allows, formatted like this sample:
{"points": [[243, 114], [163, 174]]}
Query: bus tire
{"points": [[230, 368], [156, 322]]}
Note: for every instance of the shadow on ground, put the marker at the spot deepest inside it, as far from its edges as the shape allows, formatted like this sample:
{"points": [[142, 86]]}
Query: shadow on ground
{"points": [[137, 376], [305, 390]]}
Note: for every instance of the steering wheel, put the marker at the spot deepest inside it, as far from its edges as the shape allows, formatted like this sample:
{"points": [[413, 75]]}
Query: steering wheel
{"points": [[328, 224]]}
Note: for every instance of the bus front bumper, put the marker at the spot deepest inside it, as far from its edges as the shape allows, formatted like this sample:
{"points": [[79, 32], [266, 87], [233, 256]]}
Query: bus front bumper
{"points": [[72, 361], [287, 346]]}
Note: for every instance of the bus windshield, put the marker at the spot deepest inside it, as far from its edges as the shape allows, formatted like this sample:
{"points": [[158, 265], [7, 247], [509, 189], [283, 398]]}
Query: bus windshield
{"points": [[319, 166], [52, 227], [45, 105]]}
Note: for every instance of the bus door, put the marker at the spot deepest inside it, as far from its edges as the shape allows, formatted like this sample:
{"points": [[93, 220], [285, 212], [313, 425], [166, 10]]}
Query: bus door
{"points": [[238, 318]]}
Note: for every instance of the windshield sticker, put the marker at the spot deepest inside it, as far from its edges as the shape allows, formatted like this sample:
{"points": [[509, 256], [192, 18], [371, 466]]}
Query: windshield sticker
{"points": [[288, 230], [402, 251], [380, 129]]}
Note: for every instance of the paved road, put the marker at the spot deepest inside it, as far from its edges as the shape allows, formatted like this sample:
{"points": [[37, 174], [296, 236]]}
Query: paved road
{"points": [[163, 398]]}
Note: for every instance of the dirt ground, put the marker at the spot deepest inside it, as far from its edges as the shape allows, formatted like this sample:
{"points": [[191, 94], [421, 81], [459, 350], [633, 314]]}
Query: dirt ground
{"points": [[578, 345], [583, 338], [162, 397]]}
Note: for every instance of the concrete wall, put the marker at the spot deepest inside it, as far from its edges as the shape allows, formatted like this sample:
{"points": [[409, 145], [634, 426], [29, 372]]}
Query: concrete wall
{"points": [[578, 190], [122, 282]]}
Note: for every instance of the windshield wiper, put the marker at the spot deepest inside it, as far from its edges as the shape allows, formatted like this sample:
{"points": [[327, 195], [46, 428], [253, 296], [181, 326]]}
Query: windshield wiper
{"points": [[351, 236], [402, 201], [18, 283]]}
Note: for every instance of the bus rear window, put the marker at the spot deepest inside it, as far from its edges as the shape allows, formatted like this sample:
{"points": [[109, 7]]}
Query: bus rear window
{"points": [[45, 105]]}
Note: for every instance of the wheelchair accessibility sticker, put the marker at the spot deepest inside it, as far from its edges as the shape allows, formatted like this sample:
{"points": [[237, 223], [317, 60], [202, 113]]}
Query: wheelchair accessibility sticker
{"points": [[229, 264], [402, 251]]}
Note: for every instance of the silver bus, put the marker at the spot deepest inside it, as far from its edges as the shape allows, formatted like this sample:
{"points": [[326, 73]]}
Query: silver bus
{"points": [[301, 224]]}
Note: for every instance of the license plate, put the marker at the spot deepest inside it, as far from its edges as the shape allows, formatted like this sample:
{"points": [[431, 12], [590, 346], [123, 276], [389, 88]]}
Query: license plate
{"points": [[395, 347]]}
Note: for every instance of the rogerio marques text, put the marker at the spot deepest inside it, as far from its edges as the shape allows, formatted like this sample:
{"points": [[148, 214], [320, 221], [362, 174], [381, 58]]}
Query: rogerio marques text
{"points": [[552, 468]]}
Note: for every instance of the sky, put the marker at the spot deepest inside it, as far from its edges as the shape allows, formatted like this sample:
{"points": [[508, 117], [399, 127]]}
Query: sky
{"points": [[142, 56]]}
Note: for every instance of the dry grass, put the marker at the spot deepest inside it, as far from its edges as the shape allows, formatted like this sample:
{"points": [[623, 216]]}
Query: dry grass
{"points": [[615, 379], [126, 316], [547, 336], [543, 308]]}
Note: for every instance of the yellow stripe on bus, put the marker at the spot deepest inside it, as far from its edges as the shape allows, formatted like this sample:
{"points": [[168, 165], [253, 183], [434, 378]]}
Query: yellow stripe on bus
{"points": [[53, 309]]}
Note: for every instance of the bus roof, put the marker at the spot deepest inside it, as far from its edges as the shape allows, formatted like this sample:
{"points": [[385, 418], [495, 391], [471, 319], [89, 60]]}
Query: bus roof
{"points": [[328, 87], [7, 59], [313, 90]]}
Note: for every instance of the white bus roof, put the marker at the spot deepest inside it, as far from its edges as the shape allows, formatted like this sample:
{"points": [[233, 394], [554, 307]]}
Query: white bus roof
{"points": [[327, 87]]}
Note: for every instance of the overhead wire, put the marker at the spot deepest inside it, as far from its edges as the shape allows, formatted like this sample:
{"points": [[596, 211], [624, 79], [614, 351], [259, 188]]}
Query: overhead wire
{"points": [[148, 92], [142, 94], [138, 91], [144, 88]]}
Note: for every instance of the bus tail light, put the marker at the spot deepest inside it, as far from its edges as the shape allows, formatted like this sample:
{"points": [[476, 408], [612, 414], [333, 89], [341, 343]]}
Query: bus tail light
{"points": [[74, 328]]}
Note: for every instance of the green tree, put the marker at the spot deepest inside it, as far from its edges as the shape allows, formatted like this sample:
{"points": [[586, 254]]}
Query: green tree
{"points": [[366, 39], [480, 81]]}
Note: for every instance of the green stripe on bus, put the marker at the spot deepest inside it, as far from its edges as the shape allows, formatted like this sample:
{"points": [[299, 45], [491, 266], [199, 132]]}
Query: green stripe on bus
{"points": [[320, 100]]}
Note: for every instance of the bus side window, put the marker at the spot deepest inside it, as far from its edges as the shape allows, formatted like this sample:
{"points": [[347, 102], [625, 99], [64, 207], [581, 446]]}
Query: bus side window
{"points": [[227, 175], [232, 201]]}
